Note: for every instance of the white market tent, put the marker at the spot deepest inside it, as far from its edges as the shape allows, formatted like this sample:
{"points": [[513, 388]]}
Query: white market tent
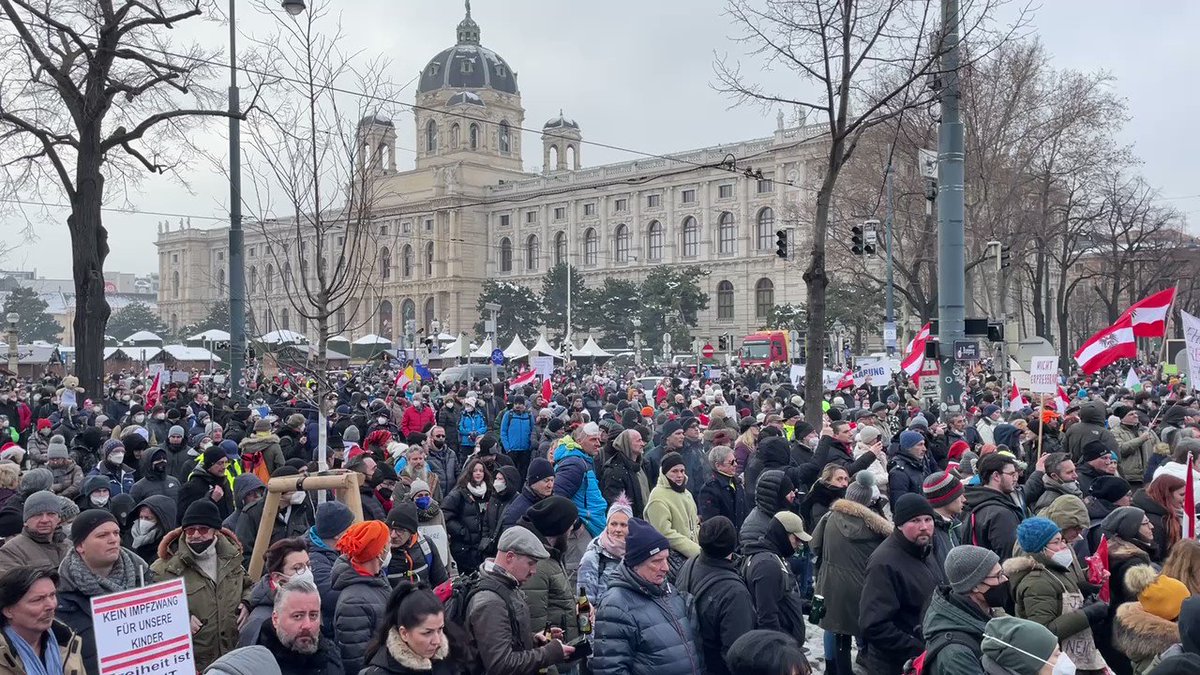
{"points": [[339, 339], [516, 350], [457, 348], [143, 336], [543, 347], [446, 337], [590, 350], [372, 339], [183, 353], [211, 335], [279, 337], [484, 351]]}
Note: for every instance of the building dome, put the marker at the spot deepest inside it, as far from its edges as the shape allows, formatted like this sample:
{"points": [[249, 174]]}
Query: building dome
{"points": [[468, 65], [561, 122], [466, 98], [377, 119]]}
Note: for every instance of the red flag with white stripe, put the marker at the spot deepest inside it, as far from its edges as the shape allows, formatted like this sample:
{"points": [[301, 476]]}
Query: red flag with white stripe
{"points": [[1149, 316], [1108, 346], [916, 352], [1016, 402], [523, 379], [1062, 401]]}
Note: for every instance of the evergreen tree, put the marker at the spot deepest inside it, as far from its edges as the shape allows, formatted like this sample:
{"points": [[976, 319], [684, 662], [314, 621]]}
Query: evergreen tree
{"points": [[134, 317], [520, 311], [35, 323]]}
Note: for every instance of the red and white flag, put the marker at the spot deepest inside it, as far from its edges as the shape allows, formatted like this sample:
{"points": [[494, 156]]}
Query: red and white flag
{"points": [[154, 394], [1108, 346], [916, 352], [847, 381], [1015, 400], [402, 380], [1189, 500], [1062, 401], [523, 379], [547, 390], [1149, 316]]}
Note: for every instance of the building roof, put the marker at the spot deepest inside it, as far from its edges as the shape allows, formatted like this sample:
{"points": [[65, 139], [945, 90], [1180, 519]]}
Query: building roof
{"points": [[466, 98], [468, 65], [31, 354], [561, 122]]}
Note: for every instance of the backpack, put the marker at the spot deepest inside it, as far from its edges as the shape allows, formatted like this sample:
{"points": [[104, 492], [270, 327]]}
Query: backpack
{"points": [[922, 664], [462, 589]]}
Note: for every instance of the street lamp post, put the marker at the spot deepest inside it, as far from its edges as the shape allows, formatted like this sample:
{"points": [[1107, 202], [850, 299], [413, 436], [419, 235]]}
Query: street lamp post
{"points": [[13, 360], [637, 341], [489, 326]]}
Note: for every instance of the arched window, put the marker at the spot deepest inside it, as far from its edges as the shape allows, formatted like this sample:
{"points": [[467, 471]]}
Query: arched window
{"points": [[553, 163], [221, 281], [572, 157], [726, 234], [385, 264], [560, 248], [691, 237], [406, 262], [621, 244], [764, 298], [286, 275], [385, 319], [725, 301], [285, 319], [765, 229], [506, 255], [474, 133], [533, 251], [505, 138], [431, 139], [454, 134], [253, 279], [591, 247], [270, 278], [175, 283], [429, 316], [429, 259], [654, 241]]}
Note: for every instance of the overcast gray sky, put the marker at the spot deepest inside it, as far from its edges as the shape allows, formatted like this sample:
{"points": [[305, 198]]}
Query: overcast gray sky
{"points": [[637, 74]]}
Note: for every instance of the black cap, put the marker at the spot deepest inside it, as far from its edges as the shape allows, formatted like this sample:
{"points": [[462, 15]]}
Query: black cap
{"points": [[202, 512], [87, 521]]}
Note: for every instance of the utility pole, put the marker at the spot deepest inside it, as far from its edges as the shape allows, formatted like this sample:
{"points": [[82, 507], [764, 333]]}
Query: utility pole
{"points": [[237, 263], [951, 249], [889, 325]]}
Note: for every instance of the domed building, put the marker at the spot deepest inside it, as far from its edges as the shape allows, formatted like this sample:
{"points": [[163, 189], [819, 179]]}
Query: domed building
{"points": [[469, 210]]}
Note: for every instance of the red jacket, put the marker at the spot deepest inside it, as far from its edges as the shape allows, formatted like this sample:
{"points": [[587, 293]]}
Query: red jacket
{"points": [[416, 420]]}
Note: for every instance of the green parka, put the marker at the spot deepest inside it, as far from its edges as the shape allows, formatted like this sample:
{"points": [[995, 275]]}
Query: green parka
{"points": [[673, 514], [1038, 584]]}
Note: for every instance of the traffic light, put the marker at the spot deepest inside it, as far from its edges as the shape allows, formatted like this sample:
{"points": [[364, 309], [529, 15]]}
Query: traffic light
{"points": [[857, 245], [781, 244], [1005, 256], [722, 343]]}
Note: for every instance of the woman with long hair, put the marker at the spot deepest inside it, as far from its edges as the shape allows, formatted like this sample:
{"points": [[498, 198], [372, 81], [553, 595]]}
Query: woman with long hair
{"points": [[1163, 503], [465, 508], [1183, 563], [605, 552], [746, 444], [412, 637]]}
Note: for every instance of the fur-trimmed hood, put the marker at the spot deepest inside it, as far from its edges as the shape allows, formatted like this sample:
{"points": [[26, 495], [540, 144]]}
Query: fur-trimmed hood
{"points": [[873, 521], [406, 657], [225, 538], [1140, 634]]}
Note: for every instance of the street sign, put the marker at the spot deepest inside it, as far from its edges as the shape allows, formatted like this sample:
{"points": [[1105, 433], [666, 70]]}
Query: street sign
{"points": [[666, 350], [889, 334], [930, 388], [927, 160], [966, 350], [707, 351], [498, 356]]}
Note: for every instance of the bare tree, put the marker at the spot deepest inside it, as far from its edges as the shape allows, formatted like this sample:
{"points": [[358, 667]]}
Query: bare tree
{"points": [[93, 92], [318, 182], [865, 61]]}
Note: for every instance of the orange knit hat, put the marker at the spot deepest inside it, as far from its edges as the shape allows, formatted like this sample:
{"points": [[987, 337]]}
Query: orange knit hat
{"points": [[364, 541]]}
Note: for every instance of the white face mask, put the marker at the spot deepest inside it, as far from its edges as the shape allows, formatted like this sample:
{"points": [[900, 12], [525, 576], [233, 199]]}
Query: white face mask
{"points": [[99, 500], [382, 420], [306, 575], [143, 532], [1063, 666], [117, 458], [1063, 557], [298, 498], [386, 560], [499, 485]]}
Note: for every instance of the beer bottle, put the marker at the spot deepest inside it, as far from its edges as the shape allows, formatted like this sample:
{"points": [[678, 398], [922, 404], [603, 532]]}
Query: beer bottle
{"points": [[583, 612]]}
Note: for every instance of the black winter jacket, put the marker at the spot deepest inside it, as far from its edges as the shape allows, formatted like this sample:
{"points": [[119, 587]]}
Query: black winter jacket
{"points": [[465, 527], [770, 497], [832, 451], [901, 578], [618, 474], [990, 520], [198, 486], [724, 608], [326, 661], [906, 473], [777, 600], [723, 496]]}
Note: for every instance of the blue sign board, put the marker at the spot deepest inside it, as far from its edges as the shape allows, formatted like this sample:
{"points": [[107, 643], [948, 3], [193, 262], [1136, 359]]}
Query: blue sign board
{"points": [[497, 356]]}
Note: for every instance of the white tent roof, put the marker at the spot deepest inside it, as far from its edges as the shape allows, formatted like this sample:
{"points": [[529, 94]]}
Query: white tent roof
{"points": [[590, 349], [484, 351], [446, 337], [516, 350], [542, 347], [212, 335], [184, 353], [372, 339], [134, 353], [142, 336], [455, 350], [339, 338], [277, 337]]}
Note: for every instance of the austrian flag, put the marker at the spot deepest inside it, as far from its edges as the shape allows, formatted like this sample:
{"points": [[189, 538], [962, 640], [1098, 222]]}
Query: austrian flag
{"points": [[915, 352], [1149, 316], [1015, 400], [523, 379], [1108, 346]]}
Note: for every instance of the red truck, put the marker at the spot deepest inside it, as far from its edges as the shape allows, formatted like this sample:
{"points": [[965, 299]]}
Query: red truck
{"points": [[770, 347]]}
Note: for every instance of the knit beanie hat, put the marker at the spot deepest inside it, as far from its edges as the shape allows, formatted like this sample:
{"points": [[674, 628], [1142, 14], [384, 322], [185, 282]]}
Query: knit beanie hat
{"points": [[1033, 534], [202, 512], [540, 469], [69, 509], [868, 434], [1189, 625], [36, 479], [351, 434], [364, 541], [967, 566], [1124, 522], [1158, 594], [642, 542], [620, 505], [213, 455], [110, 446], [908, 439], [332, 519], [553, 516], [261, 426], [670, 461], [87, 522], [957, 448], [42, 501], [295, 421], [403, 516], [57, 448], [1094, 450], [1110, 488], [910, 505], [417, 487], [860, 491], [1019, 645], [176, 431], [941, 488], [718, 537]]}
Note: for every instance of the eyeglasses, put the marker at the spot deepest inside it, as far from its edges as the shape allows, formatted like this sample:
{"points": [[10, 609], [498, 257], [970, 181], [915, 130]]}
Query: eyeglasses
{"points": [[1008, 473], [998, 576], [197, 530]]}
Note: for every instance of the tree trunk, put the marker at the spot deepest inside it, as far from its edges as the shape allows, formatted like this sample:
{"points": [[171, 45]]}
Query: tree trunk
{"points": [[816, 281], [89, 248]]}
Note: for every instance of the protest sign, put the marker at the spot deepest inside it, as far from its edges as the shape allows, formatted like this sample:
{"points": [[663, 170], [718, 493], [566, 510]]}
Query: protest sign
{"points": [[144, 631], [1191, 335], [1043, 374], [543, 365]]}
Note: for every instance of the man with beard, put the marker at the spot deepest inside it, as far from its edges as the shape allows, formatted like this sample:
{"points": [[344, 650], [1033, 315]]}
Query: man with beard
{"points": [[1060, 478], [442, 459], [901, 576], [1135, 444], [177, 453], [294, 632], [992, 516]]}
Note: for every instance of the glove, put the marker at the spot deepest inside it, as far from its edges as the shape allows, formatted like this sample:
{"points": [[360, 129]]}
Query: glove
{"points": [[1096, 613]]}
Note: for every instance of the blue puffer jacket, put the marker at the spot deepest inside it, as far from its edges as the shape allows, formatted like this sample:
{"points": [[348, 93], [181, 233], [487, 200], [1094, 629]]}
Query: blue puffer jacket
{"points": [[644, 630], [516, 428], [120, 479], [471, 423], [575, 478]]}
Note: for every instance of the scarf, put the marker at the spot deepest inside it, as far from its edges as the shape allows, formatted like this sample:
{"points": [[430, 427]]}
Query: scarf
{"points": [[206, 560], [614, 548], [125, 574], [49, 664]]}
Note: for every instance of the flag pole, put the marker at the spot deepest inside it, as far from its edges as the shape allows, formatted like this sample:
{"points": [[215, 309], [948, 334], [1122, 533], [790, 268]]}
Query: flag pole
{"points": [[1041, 424], [1166, 322]]}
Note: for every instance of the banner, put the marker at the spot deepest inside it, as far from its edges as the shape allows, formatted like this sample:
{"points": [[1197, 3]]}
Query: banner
{"points": [[145, 630], [1043, 374], [1191, 336]]}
